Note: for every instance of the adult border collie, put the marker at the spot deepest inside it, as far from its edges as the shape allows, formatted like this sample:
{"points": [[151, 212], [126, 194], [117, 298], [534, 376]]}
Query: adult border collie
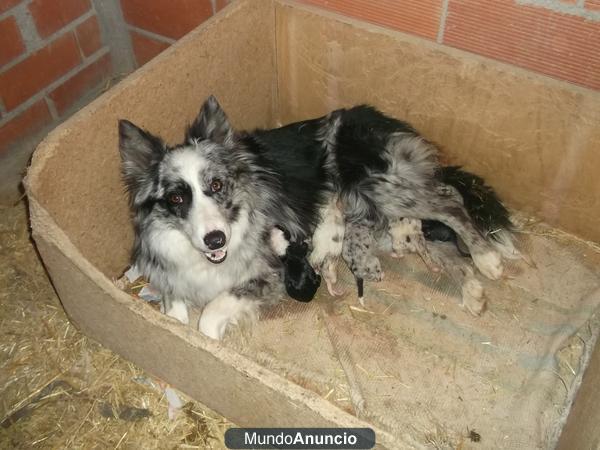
{"points": [[204, 211]]}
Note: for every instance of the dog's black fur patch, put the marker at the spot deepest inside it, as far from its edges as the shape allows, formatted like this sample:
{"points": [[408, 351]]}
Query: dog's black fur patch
{"points": [[183, 190], [294, 155], [481, 202]]}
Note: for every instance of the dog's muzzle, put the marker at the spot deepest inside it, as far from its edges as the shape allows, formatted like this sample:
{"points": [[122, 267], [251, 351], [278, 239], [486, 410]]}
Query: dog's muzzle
{"points": [[215, 241]]}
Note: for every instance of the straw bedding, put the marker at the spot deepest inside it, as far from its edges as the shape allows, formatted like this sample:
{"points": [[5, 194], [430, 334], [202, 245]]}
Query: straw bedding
{"points": [[59, 389]]}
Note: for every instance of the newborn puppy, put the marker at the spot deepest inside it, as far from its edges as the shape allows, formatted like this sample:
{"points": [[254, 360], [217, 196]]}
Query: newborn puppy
{"points": [[437, 231], [300, 279]]}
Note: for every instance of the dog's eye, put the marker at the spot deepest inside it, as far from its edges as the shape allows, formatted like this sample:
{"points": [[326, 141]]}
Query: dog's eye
{"points": [[175, 199], [216, 185]]}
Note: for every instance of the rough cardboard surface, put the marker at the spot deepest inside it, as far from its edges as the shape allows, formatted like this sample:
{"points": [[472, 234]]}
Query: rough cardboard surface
{"points": [[534, 139], [580, 429], [415, 366]]}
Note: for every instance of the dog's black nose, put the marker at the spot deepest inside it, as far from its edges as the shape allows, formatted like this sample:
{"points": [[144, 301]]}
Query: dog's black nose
{"points": [[215, 240]]}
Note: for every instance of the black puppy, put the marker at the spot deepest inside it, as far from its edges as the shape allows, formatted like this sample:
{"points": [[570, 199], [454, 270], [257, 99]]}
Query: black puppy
{"points": [[300, 279], [437, 231]]}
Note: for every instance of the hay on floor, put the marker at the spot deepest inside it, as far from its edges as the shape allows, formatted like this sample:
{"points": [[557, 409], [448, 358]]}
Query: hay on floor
{"points": [[59, 389]]}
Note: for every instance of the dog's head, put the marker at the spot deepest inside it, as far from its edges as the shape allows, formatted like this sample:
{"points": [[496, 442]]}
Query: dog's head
{"points": [[191, 186]]}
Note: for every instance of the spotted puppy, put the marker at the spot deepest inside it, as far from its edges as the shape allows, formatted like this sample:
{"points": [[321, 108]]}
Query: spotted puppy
{"points": [[408, 237], [358, 251]]}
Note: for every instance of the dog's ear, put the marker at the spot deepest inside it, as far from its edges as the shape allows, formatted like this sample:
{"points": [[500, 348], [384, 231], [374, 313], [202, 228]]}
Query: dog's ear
{"points": [[211, 123], [141, 152]]}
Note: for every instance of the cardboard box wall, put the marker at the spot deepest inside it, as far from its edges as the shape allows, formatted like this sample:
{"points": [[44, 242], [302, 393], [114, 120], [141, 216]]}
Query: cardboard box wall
{"points": [[275, 62]]}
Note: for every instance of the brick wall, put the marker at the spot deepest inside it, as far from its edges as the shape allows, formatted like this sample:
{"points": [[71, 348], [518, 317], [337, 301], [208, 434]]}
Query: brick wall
{"points": [[55, 55], [51, 56], [52, 53], [155, 25], [559, 38]]}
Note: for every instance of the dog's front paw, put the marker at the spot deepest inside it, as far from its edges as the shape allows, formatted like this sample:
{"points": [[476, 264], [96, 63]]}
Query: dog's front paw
{"points": [[489, 264], [227, 309], [472, 296], [178, 310], [214, 326]]}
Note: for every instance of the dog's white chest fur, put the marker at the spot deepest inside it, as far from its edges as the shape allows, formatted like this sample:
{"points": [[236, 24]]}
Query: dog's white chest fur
{"points": [[189, 276]]}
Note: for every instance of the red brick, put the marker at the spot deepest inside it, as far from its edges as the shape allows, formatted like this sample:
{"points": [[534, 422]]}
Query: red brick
{"points": [[171, 18], [5, 5], [593, 5], [79, 84], [420, 17], [39, 70], [11, 44], [88, 36], [35, 117], [562, 46], [52, 15], [146, 48]]}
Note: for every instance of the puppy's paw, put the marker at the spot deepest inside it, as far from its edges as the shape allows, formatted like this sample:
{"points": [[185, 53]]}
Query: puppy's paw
{"points": [[472, 296], [213, 326], [178, 310], [433, 263], [334, 290], [489, 264]]}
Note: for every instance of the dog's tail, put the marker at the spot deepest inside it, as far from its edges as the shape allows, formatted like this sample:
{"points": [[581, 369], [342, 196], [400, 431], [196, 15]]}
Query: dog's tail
{"points": [[487, 211]]}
